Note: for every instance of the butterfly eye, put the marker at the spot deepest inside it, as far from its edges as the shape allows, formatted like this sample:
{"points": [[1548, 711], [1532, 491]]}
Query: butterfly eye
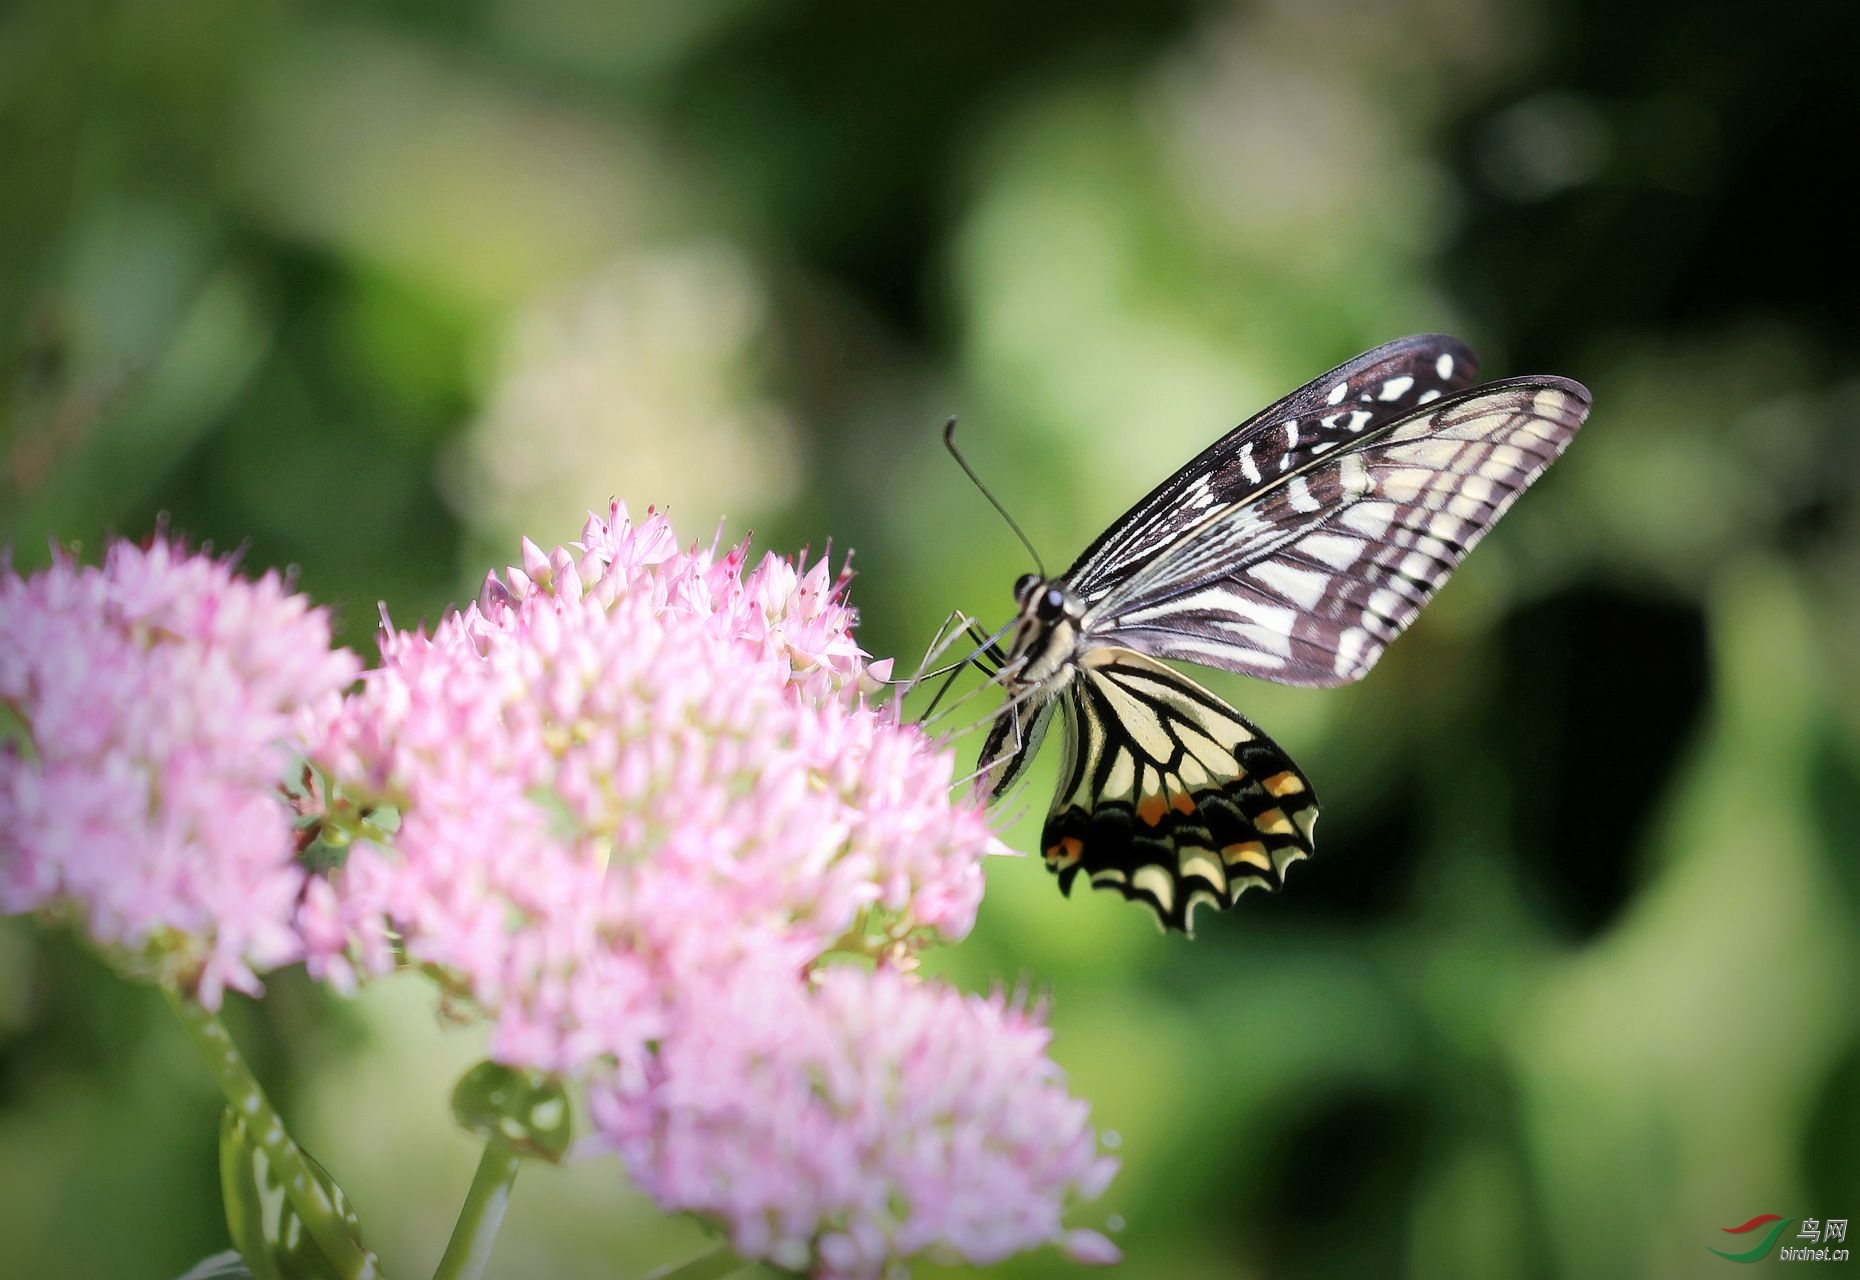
{"points": [[1025, 583], [1051, 605]]}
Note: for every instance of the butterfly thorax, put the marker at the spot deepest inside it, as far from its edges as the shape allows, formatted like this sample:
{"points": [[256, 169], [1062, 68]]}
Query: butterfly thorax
{"points": [[1044, 645]]}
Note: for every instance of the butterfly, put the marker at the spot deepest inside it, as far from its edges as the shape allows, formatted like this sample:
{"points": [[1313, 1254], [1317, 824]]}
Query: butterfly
{"points": [[1294, 548]]}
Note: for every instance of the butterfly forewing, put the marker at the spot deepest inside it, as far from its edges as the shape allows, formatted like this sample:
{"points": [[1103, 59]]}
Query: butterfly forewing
{"points": [[1308, 582], [1168, 795], [1350, 401]]}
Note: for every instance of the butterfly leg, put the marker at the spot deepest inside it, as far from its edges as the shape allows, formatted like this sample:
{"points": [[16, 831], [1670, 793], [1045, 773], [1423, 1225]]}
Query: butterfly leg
{"points": [[945, 635], [952, 626], [988, 654], [987, 651]]}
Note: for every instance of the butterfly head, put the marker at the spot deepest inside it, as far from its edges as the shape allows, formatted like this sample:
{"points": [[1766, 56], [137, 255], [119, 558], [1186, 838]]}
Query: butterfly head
{"points": [[1040, 598], [1046, 638]]}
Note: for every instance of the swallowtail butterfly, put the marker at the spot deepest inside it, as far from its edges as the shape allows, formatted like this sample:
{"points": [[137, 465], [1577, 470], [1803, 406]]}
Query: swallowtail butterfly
{"points": [[1294, 548]]}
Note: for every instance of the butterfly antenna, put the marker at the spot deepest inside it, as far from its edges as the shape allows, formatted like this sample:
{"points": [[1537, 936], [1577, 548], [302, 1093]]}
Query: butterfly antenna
{"points": [[949, 442]]}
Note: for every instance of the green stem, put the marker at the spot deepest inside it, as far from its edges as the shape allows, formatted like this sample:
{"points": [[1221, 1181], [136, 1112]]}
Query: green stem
{"points": [[713, 1264], [482, 1213], [305, 1190]]}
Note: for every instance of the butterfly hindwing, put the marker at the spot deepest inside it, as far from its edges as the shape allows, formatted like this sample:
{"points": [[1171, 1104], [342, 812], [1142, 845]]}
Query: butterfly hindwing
{"points": [[1308, 582], [1011, 745], [1328, 412], [1168, 795]]}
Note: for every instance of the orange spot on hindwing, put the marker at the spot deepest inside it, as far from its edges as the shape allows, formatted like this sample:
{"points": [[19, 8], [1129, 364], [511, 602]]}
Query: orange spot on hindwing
{"points": [[1065, 853], [1150, 809], [1251, 852], [1273, 823]]}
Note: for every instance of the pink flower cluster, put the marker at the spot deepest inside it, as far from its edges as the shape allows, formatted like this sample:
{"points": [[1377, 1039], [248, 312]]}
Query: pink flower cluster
{"points": [[626, 806], [639, 800], [625, 769], [153, 699], [862, 1122]]}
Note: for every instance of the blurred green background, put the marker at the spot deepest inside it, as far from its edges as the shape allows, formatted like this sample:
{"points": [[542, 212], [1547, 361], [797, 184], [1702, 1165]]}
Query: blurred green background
{"points": [[369, 288]]}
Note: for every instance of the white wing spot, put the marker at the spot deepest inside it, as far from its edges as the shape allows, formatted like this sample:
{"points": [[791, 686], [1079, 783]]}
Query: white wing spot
{"points": [[1249, 621], [1338, 392], [1504, 458], [1371, 519], [1443, 367], [1359, 418], [1298, 493], [1200, 862], [1264, 646], [1396, 388], [1337, 550], [1157, 882], [1418, 566], [1123, 775], [1405, 484], [1247, 468], [1427, 396], [1221, 653], [1387, 602], [1272, 633], [1303, 587], [1204, 751], [1349, 645], [1291, 433], [1440, 454], [1353, 475]]}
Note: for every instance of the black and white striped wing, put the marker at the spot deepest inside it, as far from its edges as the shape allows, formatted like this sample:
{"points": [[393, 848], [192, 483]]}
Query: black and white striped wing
{"points": [[1310, 579], [1168, 795], [1328, 412]]}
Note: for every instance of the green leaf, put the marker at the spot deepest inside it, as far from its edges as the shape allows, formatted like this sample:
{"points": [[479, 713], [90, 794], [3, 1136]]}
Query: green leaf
{"points": [[527, 1109], [266, 1227]]}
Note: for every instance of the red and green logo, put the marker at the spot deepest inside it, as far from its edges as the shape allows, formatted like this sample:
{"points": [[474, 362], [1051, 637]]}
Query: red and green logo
{"points": [[1776, 1223]]}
